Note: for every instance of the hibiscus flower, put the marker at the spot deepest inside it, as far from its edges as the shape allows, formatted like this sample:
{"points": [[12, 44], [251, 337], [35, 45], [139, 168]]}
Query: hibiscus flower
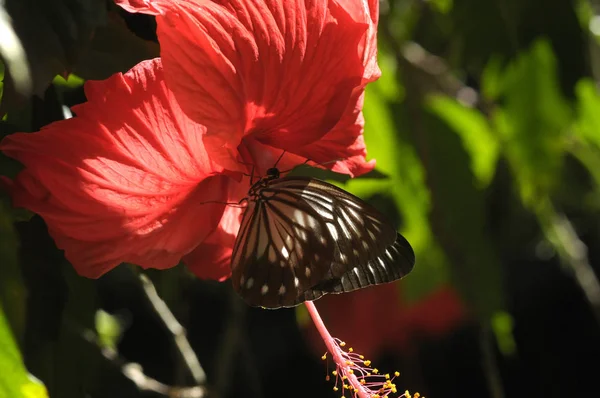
{"points": [[144, 170]]}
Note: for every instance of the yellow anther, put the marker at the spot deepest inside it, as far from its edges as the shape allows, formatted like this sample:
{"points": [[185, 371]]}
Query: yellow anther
{"points": [[367, 363], [387, 375], [396, 373], [417, 395], [363, 382], [350, 349], [375, 396], [368, 373], [407, 394], [334, 373], [361, 356], [343, 344], [344, 377], [375, 371], [351, 371], [324, 357], [335, 388], [394, 390]]}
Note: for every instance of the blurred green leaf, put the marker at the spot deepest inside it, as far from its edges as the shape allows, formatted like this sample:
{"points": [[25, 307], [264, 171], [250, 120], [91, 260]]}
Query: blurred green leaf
{"points": [[443, 6], [458, 218], [502, 325], [109, 329], [72, 81], [12, 291], [15, 381], [588, 112], [473, 128], [586, 141], [533, 121], [396, 158]]}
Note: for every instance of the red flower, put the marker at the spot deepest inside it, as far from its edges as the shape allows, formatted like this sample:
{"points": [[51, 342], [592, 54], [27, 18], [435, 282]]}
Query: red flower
{"points": [[270, 75], [123, 180]]}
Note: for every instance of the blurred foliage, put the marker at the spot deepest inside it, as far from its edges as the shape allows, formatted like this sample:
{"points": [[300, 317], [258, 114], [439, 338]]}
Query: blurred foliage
{"points": [[486, 129], [14, 379]]}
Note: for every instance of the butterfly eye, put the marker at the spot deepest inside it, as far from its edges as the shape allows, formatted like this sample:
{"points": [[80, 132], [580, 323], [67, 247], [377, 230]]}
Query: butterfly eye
{"points": [[301, 238]]}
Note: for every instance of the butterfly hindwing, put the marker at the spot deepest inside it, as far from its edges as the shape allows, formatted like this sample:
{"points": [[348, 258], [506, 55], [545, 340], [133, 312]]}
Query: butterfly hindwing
{"points": [[395, 263]]}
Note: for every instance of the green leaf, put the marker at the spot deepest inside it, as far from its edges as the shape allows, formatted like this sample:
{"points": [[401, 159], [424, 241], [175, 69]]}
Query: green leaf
{"points": [[533, 121], [109, 329], [389, 144], [586, 143], [15, 381], [503, 325], [12, 291], [458, 217], [476, 134], [443, 6], [588, 112]]}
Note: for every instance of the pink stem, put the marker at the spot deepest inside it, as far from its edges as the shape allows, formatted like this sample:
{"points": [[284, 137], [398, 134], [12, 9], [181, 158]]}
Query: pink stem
{"points": [[335, 351]]}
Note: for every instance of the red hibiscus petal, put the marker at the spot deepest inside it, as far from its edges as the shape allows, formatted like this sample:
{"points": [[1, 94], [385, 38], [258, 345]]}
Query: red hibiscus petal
{"points": [[285, 72], [217, 248], [124, 181]]}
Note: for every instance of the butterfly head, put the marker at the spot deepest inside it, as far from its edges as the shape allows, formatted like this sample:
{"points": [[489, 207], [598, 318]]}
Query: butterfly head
{"points": [[272, 173]]}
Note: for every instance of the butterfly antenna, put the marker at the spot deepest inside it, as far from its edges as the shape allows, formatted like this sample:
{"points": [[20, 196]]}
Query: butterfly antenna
{"points": [[252, 176], [303, 163], [280, 157]]}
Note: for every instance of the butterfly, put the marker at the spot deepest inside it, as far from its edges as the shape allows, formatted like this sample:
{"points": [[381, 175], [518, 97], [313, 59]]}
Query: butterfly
{"points": [[301, 238]]}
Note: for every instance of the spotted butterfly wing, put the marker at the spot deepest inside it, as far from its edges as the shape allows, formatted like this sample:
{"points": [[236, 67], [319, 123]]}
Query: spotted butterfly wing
{"points": [[301, 238]]}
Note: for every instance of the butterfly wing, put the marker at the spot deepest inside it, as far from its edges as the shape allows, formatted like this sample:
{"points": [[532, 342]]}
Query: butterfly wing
{"points": [[303, 238], [282, 249], [395, 263]]}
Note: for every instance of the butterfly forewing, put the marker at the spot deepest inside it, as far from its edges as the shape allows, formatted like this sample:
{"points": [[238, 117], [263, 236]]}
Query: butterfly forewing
{"points": [[283, 248], [360, 232]]}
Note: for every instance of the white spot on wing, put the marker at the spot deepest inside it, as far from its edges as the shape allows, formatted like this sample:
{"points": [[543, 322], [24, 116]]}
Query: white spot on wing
{"points": [[249, 283], [264, 289], [389, 255], [296, 282], [281, 290], [307, 272], [284, 252]]}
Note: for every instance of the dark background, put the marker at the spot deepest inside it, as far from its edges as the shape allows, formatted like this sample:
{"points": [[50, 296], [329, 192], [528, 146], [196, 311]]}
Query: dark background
{"points": [[485, 126]]}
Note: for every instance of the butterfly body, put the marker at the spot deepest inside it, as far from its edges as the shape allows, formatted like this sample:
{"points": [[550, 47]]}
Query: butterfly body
{"points": [[301, 238]]}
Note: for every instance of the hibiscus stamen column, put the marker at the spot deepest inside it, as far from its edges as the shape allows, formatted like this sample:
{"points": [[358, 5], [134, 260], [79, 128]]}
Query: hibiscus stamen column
{"points": [[354, 372]]}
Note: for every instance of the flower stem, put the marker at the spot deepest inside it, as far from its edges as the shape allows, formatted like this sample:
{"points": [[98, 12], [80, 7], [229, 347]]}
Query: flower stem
{"points": [[336, 352]]}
